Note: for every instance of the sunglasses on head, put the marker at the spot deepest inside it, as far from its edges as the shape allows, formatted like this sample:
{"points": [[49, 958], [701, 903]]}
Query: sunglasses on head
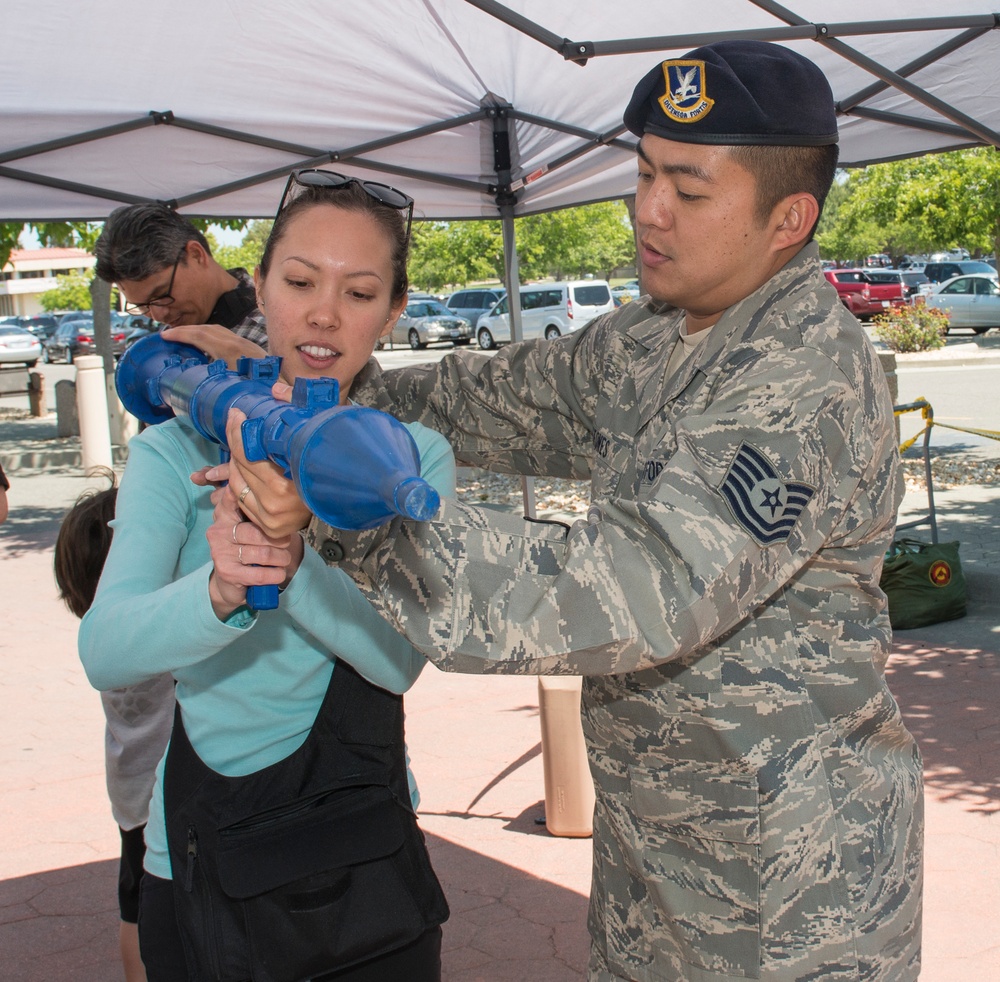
{"points": [[317, 178]]}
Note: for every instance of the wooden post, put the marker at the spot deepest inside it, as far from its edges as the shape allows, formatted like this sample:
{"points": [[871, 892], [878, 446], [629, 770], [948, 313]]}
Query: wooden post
{"points": [[36, 394]]}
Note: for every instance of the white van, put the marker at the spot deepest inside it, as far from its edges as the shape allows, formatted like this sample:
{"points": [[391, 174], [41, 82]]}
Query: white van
{"points": [[547, 311]]}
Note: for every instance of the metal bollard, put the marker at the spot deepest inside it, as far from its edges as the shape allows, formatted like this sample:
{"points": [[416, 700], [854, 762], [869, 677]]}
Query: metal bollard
{"points": [[92, 406], [36, 394], [569, 788], [67, 418]]}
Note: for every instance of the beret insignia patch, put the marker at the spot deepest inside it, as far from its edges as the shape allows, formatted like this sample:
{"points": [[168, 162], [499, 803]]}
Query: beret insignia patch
{"points": [[760, 501], [684, 100]]}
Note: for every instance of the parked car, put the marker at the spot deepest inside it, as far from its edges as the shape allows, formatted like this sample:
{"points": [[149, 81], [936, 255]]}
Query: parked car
{"points": [[937, 271], [894, 285], [914, 280], [75, 315], [547, 310], [971, 301], [625, 292], [75, 337], [855, 290], [425, 322], [136, 326], [18, 346], [471, 304], [41, 325], [879, 259]]}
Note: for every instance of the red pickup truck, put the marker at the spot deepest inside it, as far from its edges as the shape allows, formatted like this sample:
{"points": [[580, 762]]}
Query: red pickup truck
{"points": [[861, 295]]}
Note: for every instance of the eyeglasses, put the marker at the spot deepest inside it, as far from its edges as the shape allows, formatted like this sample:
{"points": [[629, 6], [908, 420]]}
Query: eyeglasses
{"points": [[317, 178], [164, 300]]}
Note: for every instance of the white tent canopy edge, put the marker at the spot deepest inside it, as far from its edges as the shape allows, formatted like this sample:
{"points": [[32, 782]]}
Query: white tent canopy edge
{"points": [[476, 108]]}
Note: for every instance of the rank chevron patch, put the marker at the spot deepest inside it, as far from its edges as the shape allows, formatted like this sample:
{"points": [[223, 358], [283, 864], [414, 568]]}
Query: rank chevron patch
{"points": [[760, 501]]}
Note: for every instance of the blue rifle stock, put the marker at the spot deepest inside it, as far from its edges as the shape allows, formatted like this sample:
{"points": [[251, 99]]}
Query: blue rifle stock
{"points": [[355, 468]]}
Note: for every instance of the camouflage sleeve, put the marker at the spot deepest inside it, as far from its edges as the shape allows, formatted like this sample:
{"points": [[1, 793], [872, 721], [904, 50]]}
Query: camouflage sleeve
{"points": [[526, 410], [649, 578]]}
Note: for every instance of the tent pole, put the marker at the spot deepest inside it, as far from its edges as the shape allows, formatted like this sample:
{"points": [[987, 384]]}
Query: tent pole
{"points": [[512, 280]]}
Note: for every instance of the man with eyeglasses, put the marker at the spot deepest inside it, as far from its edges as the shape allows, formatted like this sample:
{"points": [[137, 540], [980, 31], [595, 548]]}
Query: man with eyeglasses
{"points": [[164, 268]]}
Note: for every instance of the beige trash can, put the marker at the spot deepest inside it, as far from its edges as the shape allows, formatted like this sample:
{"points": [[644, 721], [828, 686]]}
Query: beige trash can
{"points": [[569, 788]]}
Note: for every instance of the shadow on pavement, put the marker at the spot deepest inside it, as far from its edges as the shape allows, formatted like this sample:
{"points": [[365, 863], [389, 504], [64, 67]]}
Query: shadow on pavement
{"points": [[31, 529], [506, 925], [949, 696], [61, 924]]}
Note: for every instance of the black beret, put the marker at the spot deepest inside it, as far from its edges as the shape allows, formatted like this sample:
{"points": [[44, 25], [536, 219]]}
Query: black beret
{"points": [[736, 93]]}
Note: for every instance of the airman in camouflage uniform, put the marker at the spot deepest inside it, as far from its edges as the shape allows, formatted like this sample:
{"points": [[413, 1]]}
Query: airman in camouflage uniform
{"points": [[759, 799]]}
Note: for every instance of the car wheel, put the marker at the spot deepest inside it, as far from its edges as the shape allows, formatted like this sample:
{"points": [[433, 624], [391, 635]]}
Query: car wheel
{"points": [[551, 332], [415, 343], [31, 364], [486, 341]]}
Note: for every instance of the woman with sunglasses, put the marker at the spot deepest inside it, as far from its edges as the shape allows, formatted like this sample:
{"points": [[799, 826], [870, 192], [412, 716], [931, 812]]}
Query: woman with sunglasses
{"points": [[282, 843]]}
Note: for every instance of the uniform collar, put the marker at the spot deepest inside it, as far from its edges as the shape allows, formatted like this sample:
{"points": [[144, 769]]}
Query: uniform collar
{"points": [[660, 330]]}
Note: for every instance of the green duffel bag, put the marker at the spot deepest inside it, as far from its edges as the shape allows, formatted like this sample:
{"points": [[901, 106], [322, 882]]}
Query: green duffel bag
{"points": [[924, 583]]}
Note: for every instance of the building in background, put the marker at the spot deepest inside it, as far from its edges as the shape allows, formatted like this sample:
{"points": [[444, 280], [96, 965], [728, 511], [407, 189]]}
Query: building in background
{"points": [[30, 272]]}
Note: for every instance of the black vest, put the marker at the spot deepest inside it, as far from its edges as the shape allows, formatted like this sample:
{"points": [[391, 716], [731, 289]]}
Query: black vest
{"points": [[312, 864], [234, 304]]}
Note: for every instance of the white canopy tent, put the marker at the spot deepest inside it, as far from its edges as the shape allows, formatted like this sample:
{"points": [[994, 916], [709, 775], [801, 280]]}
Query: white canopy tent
{"points": [[475, 108]]}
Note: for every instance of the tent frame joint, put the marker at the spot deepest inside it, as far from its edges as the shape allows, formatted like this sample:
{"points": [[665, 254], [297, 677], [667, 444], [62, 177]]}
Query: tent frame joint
{"points": [[577, 51]]}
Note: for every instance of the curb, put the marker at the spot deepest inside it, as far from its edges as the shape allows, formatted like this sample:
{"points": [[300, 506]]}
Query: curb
{"points": [[29, 462], [920, 360], [957, 356]]}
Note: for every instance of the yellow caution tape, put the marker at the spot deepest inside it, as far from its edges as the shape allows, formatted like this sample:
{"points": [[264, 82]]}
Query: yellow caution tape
{"points": [[928, 414]]}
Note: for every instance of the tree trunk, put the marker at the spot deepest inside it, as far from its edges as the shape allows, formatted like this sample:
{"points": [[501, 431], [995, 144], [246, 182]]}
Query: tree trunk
{"points": [[100, 293]]}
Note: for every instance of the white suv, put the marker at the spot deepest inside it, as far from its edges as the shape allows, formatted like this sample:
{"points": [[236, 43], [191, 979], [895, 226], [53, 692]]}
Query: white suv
{"points": [[547, 311]]}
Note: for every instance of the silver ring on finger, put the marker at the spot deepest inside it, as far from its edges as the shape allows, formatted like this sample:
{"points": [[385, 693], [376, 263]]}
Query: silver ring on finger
{"points": [[235, 527], [244, 493], [239, 556]]}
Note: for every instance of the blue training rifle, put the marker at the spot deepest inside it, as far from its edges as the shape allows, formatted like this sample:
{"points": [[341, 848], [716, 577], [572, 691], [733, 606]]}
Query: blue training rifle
{"points": [[354, 467]]}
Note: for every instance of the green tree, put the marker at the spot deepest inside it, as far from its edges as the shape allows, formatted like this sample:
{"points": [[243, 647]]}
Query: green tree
{"points": [[572, 242], [73, 235], [247, 254], [937, 201], [10, 239], [72, 292], [444, 254], [568, 243], [80, 235]]}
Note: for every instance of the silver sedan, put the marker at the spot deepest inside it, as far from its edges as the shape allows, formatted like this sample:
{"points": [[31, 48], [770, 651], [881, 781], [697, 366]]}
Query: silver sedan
{"points": [[971, 301], [428, 321], [18, 346]]}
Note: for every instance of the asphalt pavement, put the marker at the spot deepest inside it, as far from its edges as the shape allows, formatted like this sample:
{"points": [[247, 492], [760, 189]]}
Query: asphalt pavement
{"points": [[517, 893]]}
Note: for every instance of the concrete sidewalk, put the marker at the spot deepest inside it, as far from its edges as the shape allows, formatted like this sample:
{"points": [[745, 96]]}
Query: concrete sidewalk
{"points": [[517, 894]]}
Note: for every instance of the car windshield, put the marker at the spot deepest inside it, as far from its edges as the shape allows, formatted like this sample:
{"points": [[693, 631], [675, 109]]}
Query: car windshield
{"points": [[592, 296], [429, 308]]}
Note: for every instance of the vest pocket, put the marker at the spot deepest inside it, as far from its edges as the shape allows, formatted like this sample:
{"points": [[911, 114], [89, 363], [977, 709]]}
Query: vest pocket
{"points": [[318, 885], [324, 832]]}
